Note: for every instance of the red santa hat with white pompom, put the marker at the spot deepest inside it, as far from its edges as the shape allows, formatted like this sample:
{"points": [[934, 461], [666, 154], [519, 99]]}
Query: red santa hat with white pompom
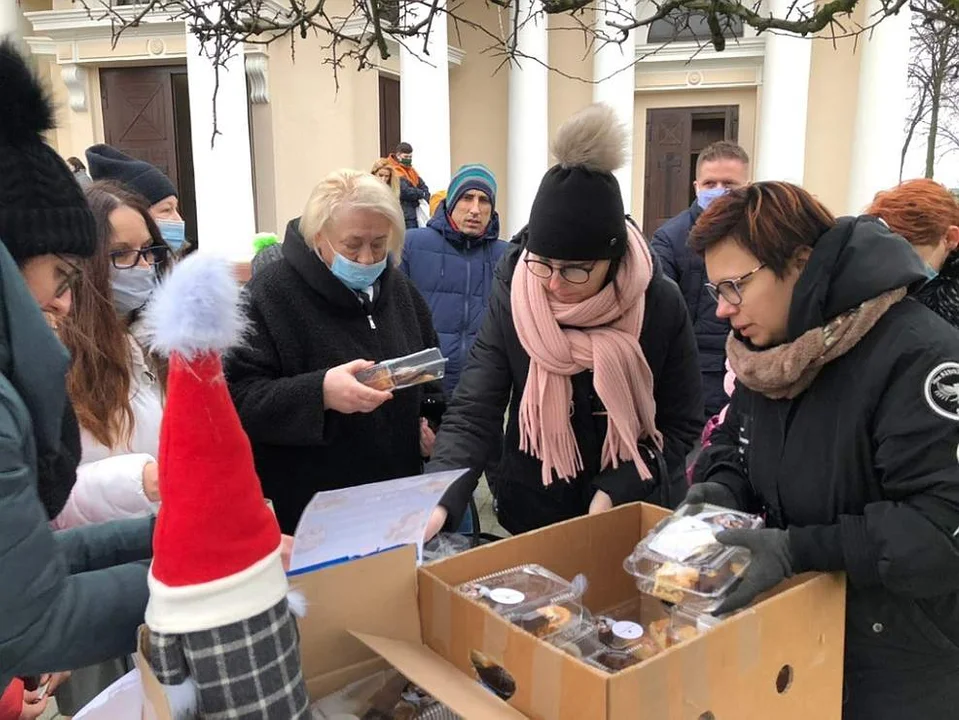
{"points": [[216, 546]]}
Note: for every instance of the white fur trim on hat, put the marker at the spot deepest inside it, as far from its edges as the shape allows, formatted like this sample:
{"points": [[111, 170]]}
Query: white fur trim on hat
{"points": [[191, 608]]}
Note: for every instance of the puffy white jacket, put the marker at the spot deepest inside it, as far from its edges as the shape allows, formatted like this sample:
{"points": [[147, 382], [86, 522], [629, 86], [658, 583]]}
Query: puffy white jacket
{"points": [[110, 481]]}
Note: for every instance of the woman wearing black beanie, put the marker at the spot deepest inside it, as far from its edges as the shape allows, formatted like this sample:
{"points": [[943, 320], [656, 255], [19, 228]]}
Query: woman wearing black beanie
{"points": [[594, 346], [73, 598]]}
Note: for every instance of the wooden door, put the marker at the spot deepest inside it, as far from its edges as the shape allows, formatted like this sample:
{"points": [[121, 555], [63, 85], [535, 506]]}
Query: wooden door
{"points": [[674, 139], [139, 115], [389, 114], [668, 160]]}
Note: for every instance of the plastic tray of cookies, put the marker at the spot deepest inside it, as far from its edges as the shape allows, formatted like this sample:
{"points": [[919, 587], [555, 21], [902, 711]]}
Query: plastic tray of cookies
{"points": [[685, 625], [681, 561], [519, 592], [398, 373]]}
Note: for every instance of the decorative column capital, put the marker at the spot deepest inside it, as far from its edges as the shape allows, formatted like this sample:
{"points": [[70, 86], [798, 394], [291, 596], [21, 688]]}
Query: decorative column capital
{"points": [[257, 64], [75, 78]]}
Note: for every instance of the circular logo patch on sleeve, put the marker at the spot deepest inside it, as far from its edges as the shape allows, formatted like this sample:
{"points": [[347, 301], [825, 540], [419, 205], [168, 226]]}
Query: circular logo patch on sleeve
{"points": [[942, 390]]}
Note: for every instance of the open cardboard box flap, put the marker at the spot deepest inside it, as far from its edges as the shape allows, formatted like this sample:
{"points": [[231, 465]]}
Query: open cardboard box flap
{"points": [[360, 614]]}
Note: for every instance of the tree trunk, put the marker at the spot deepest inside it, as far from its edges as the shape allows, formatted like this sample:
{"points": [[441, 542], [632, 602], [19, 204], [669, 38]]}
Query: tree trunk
{"points": [[933, 128]]}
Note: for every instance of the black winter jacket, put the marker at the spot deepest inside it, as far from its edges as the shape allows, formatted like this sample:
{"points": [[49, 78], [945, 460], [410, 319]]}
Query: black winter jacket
{"points": [[941, 294], [687, 268], [498, 366], [305, 321], [861, 468]]}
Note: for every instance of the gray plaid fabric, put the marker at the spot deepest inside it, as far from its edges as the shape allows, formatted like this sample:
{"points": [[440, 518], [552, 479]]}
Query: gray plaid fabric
{"points": [[249, 670]]}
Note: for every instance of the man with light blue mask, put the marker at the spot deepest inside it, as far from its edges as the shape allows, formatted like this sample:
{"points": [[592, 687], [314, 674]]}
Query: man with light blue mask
{"points": [[108, 163], [720, 167]]}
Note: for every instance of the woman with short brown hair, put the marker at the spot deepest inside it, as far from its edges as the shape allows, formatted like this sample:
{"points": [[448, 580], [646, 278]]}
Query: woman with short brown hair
{"points": [[842, 431]]}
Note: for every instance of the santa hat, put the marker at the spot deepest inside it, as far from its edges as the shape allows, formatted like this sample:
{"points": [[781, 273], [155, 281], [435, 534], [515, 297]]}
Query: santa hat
{"points": [[216, 546]]}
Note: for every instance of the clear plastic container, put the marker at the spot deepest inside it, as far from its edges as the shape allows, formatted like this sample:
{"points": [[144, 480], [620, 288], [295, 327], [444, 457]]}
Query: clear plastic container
{"points": [[681, 561], [685, 625], [519, 591], [549, 620], [422, 367]]}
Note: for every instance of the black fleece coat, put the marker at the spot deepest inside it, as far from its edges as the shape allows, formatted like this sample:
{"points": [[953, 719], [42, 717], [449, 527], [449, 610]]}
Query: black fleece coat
{"points": [[861, 468], [497, 368], [303, 322]]}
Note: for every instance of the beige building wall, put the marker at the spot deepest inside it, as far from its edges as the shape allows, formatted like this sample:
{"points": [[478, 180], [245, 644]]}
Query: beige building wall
{"points": [[571, 68], [479, 93], [744, 97], [833, 96]]}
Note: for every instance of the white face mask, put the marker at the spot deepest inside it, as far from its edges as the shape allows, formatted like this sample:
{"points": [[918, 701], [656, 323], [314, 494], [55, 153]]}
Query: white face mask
{"points": [[132, 288]]}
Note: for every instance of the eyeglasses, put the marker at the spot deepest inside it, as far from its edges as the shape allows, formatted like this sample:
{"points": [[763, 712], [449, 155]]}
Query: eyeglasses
{"points": [[731, 290], [126, 259], [69, 278], [575, 274]]}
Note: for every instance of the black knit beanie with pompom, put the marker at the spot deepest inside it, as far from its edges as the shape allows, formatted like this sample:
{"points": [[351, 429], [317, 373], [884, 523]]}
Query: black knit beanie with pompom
{"points": [[42, 208]]}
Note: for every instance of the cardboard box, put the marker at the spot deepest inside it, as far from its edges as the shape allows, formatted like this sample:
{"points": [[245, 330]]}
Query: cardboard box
{"points": [[362, 617], [780, 659], [380, 610]]}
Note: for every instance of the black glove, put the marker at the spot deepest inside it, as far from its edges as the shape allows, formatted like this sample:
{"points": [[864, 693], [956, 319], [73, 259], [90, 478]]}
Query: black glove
{"points": [[771, 564], [712, 493]]}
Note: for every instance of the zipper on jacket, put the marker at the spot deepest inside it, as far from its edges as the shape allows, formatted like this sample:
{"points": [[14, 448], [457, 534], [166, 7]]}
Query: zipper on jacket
{"points": [[372, 324], [466, 308]]}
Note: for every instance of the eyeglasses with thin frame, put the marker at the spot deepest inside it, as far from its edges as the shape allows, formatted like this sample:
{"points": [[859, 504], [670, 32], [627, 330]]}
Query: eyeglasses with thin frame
{"points": [[126, 259], [575, 274], [731, 290], [69, 280]]}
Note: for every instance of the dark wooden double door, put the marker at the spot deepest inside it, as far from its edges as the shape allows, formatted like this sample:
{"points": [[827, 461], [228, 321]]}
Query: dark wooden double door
{"points": [[146, 114], [674, 139]]}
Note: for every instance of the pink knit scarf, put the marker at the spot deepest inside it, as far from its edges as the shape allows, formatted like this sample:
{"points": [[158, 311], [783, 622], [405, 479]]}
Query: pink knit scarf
{"points": [[562, 340]]}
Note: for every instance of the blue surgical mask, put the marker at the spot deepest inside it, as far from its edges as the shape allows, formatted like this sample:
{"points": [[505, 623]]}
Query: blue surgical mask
{"points": [[931, 272], [704, 198], [132, 288], [173, 233], [354, 275]]}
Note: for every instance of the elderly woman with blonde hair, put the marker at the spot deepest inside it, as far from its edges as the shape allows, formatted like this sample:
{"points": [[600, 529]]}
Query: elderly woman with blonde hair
{"points": [[332, 306]]}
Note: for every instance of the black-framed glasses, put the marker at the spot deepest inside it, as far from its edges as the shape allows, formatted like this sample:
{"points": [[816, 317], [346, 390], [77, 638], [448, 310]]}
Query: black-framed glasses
{"points": [[731, 290], [69, 279], [575, 274], [126, 259]]}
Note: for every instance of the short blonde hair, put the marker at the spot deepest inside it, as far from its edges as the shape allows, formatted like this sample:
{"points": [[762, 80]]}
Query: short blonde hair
{"points": [[352, 189]]}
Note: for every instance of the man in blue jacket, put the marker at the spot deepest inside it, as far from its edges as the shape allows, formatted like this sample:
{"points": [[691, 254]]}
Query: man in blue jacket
{"points": [[451, 262], [720, 167]]}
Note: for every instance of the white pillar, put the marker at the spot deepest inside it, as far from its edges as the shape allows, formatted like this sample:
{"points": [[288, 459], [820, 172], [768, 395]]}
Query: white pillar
{"points": [[223, 172], [10, 20], [882, 107], [781, 152], [528, 144], [614, 72], [425, 96]]}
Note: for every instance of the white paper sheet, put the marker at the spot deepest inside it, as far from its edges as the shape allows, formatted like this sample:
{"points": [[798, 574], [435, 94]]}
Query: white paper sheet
{"points": [[123, 699], [341, 525]]}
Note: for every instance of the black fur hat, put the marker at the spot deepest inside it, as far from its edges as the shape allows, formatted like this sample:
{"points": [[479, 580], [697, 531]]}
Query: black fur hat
{"points": [[42, 208]]}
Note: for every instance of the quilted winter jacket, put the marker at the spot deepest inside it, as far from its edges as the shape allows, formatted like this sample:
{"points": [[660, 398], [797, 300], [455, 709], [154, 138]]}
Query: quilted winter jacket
{"points": [[454, 273]]}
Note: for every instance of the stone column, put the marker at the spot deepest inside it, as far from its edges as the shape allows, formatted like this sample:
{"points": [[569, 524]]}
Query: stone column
{"points": [[614, 72], [882, 107], [781, 142], [528, 143], [425, 97], [223, 171]]}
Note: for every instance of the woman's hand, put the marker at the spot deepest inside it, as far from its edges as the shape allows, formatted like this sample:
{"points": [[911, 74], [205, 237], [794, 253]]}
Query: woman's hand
{"points": [[601, 502], [427, 438], [151, 481], [286, 551], [436, 522], [344, 393]]}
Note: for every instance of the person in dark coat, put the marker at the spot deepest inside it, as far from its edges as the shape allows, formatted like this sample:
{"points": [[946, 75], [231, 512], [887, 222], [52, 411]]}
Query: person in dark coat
{"points": [[720, 167], [842, 431], [451, 262], [413, 188], [328, 309], [594, 346], [927, 215], [75, 597]]}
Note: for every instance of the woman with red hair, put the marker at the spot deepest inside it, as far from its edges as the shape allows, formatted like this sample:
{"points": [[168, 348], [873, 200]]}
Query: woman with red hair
{"points": [[927, 215]]}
